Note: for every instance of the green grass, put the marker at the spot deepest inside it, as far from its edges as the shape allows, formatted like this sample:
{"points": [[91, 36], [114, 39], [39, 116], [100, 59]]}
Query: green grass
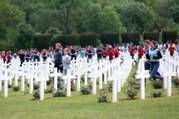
{"points": [[20, 105]]}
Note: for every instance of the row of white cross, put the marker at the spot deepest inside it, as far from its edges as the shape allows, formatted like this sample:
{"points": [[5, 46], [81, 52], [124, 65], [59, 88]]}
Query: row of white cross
{"points": [[169, 67], [104, 70]]}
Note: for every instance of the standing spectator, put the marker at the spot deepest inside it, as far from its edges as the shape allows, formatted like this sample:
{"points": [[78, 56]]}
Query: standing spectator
{"points": [[146, 50], [132, 51], [99, 53], [82, 53], [111, 53], [36, 55], [89, 53], [163, 48], [27, 56], [104, 53], [177, 48], [66, 61], [22, 56], [73, 53], [44, 55], [140, 51], [171, 49], [116, 52], [9, 57], [4, 56], [58, 57]]}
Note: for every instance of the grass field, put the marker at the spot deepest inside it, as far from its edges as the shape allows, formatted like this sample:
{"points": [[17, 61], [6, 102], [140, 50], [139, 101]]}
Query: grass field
{"points": [[21, 106]]}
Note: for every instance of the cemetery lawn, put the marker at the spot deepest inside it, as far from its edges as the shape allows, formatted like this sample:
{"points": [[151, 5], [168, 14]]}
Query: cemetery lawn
{"points": [[20, 106]]}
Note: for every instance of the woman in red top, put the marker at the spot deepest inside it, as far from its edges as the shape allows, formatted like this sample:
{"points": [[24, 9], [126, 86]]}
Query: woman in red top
{"points": [[132, 51], [9, 57], [4, 56], [171, 49], [116, 52], [140, 51], [111, 53], [104, 53]]}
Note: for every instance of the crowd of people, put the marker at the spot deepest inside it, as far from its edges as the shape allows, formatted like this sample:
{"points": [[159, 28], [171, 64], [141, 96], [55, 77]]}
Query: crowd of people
{"points": [[62, 56]]}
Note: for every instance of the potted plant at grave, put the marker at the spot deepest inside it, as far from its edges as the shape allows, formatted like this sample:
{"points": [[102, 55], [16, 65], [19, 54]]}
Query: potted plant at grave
{"points": [[85, 90], [175, 81], [36, 95], [103, 97], [157, 84], [15, 88]]}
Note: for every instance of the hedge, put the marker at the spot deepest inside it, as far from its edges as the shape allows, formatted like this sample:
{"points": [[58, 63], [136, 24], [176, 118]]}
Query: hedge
{"points": [[67, 40], [131, 37], [169, 35], [41, 41], [152, 35], [110, 38], [88, 39]]}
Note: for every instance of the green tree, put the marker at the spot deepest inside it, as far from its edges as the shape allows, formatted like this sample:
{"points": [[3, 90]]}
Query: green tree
{"points": [[136, 16], [10, 15], [24, 37], [108, 21]]}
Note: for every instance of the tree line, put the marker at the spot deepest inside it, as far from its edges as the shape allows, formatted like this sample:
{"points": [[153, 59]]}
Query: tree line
{"points": [[22, 19]]}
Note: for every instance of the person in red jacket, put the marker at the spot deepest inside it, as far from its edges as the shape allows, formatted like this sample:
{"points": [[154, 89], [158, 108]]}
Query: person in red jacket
{"points": [[4, 56], [9, 57], [104, 53], [140, 51], [111, 53], [116, 52], [171, 50], [132, 51]]}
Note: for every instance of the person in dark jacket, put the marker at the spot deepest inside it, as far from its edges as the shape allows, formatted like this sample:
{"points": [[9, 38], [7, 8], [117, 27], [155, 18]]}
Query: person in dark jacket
{"points": [[22, 56], [154, 55], [58, 57]]}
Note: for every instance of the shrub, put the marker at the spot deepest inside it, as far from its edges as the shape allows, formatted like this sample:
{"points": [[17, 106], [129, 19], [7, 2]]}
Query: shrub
{"points": [[157, 84], [9, 86], [49, 82], [83, 78], [49, 90], [41, 41], [134, 83], [60, 84], [178, 89], [90, 85], [110, 38], [109, 87], [67, 40], [175, 81], [157, 93], [27, 84], [15, 88], [103, 97], [36, 95], [36, 86], [169, 35], [60, 93], [88, 39], [130, 37], [85, 90], [73, 87], [152, 36], [131, 92]]}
